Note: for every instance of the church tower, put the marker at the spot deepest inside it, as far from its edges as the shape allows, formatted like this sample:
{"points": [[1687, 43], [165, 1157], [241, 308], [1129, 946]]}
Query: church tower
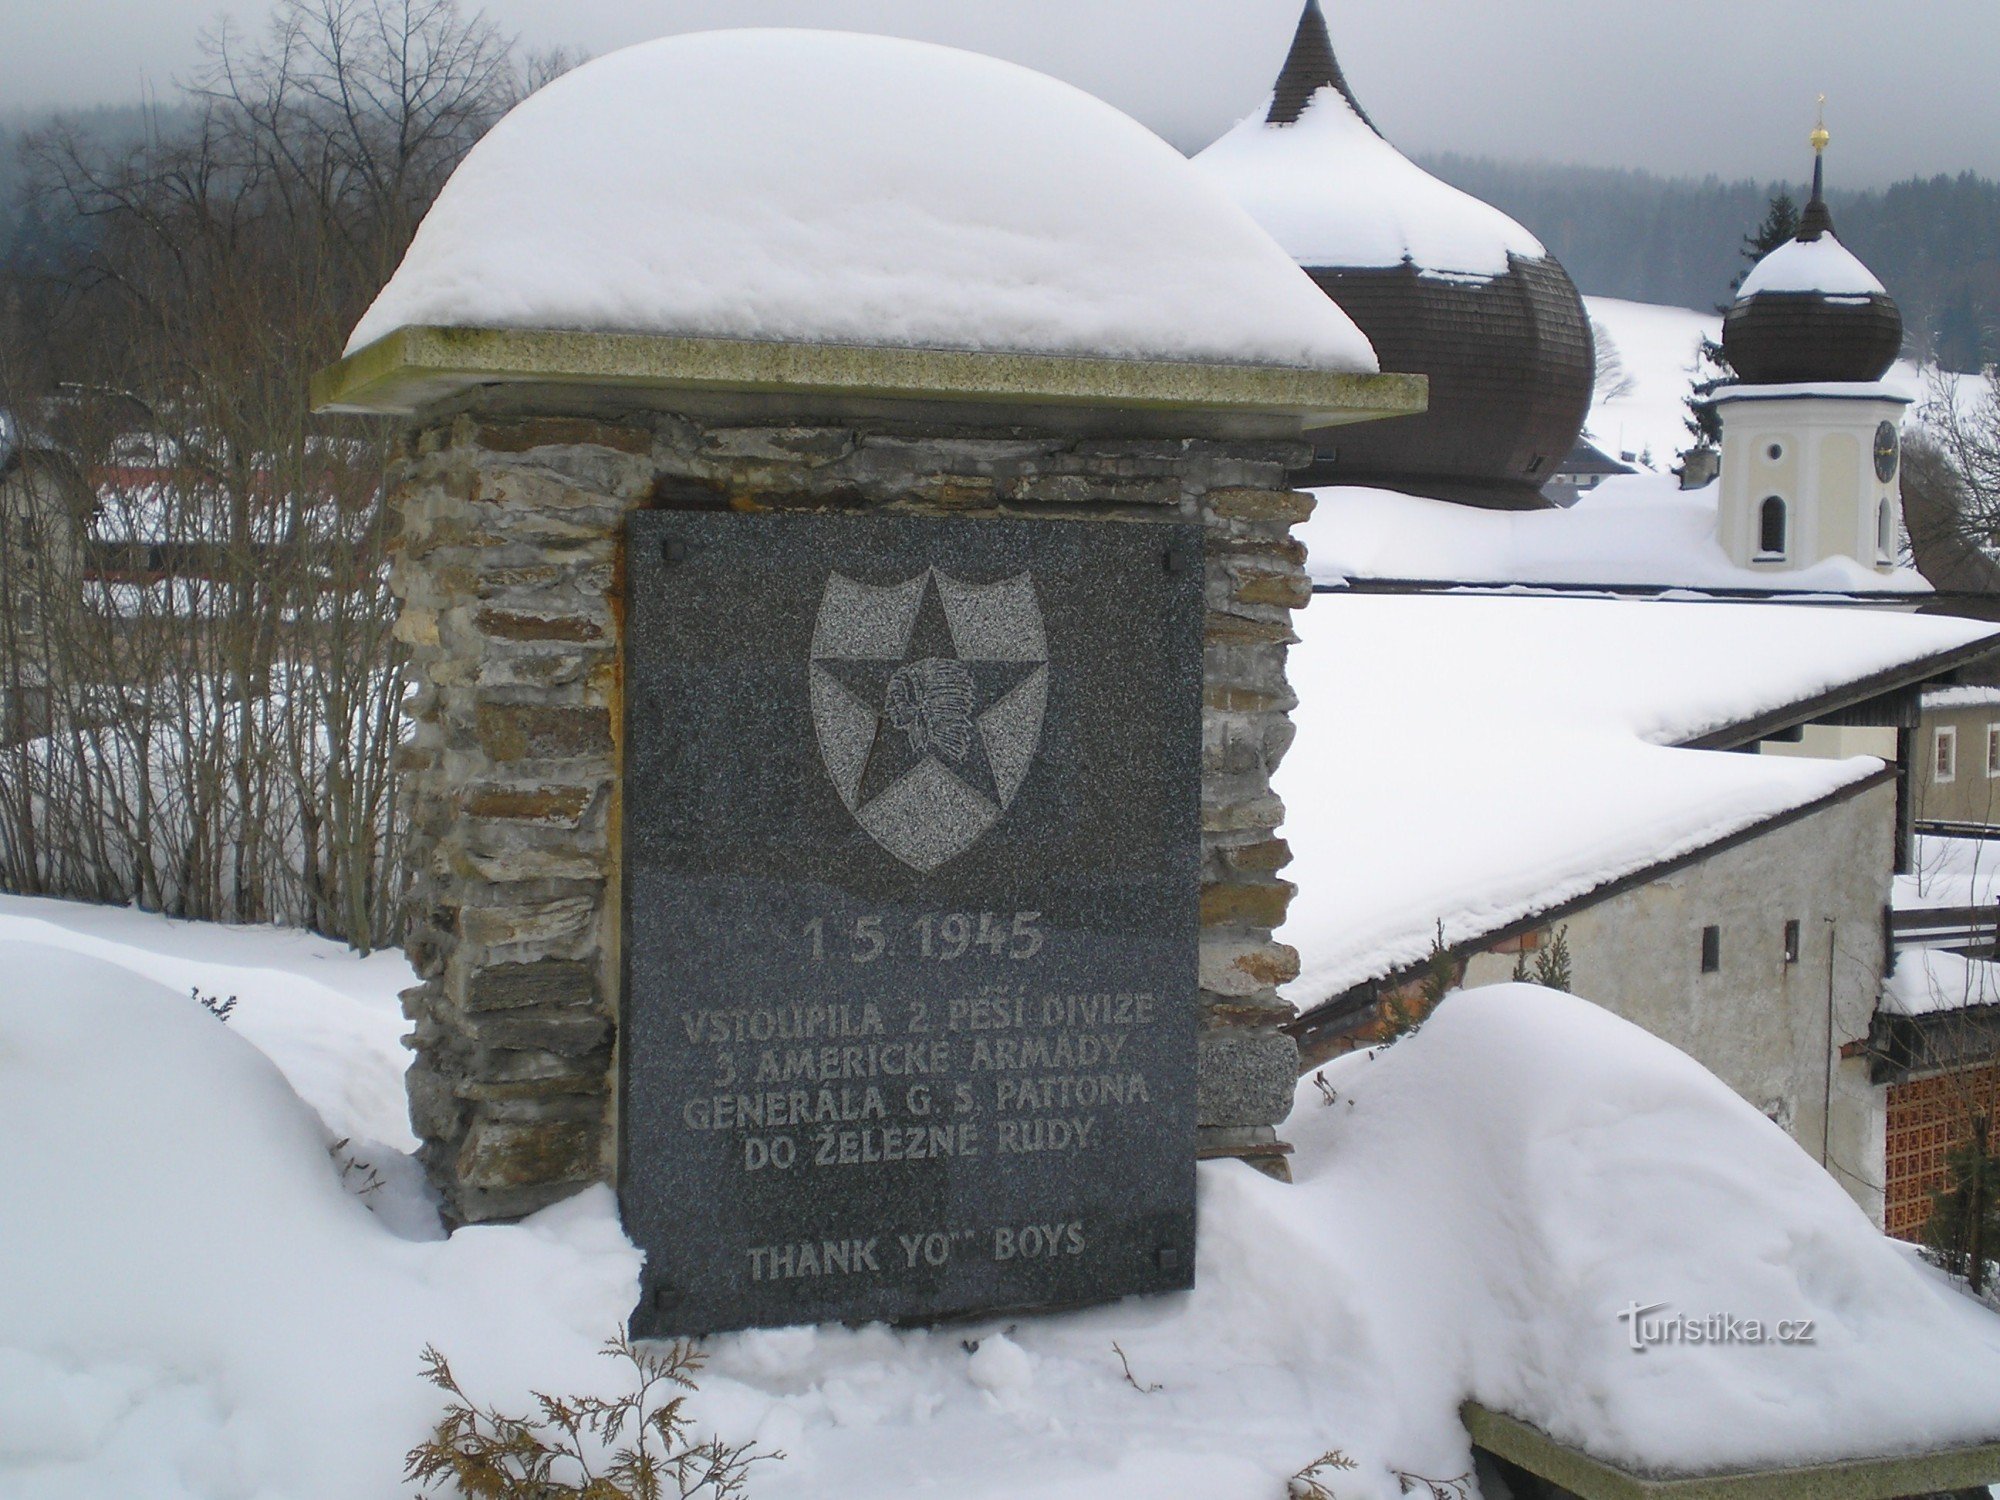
{"points": [[1811, 443]]}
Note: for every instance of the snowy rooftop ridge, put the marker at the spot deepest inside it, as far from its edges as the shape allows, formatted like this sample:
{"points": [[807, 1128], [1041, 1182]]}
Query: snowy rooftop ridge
{"points": [[1894, 386], [1632, 531], [831, 188], [1537, 741], [1822, 265], [1962, 697], [1335, 194]]}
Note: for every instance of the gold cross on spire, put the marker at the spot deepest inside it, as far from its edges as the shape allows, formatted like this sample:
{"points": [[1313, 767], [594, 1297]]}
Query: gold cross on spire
{"points": [[1820, 135]]}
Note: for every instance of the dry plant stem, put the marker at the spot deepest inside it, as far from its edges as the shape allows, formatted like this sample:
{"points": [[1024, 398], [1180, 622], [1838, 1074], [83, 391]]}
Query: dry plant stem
{"points": [[1307, 1485], [1130, 1379]]}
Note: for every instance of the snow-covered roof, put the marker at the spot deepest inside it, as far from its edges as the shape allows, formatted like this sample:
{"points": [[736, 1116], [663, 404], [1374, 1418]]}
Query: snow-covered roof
{"points": [[1962, 697], [1475, 760], [1822, 265], [825, 187], [1936, 982], [1335, 194], [1895, 387], [1562, 1164], [1631, 531]]}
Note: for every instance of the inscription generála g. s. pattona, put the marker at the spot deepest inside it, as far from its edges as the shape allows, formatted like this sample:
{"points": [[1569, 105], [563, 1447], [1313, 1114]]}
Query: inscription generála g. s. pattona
{"points": [[910, 887]]}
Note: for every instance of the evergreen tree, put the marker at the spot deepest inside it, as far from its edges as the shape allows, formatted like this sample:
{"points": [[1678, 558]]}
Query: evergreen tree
{"points": [[1964, 1226], [1552, 968], [1711, 370], [1780, 223]]}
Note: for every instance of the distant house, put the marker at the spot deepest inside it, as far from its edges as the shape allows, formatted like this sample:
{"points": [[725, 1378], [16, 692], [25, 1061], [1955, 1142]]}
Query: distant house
{"points": [[171, 538], [1955, 781], [1586, 467]]}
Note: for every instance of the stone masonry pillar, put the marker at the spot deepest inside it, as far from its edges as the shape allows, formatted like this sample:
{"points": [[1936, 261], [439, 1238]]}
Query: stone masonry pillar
{"points": [[512, 500]]}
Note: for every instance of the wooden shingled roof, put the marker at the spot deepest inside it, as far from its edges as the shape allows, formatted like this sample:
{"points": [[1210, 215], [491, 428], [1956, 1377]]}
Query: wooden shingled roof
{"points": [[1310, 67], [1509, 356]]}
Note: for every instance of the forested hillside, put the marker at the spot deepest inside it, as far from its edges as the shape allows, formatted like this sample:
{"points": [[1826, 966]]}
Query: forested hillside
{"points": [[1934, 242], [28, 238]]}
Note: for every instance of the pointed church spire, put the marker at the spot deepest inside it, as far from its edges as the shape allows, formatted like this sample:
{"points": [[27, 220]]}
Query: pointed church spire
{"points": [[1817, 218], [1310, 67]]}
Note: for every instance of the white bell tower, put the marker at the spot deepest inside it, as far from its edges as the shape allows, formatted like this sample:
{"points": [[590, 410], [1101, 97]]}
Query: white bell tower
{"points": [[1811, 436], [1811, 472]]}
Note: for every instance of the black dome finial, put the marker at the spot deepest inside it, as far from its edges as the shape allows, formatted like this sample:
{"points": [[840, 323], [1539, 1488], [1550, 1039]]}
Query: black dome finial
{"points": [[1310, 67]]}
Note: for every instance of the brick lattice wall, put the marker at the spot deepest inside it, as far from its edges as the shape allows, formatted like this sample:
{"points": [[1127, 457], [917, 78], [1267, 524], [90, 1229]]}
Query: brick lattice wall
{"points": [[1927, 1119], [509, 572]]}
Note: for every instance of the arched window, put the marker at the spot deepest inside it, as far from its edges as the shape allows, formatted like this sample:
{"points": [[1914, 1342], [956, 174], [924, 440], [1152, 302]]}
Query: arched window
{"points": [[1771, 527], [1884, 530]]}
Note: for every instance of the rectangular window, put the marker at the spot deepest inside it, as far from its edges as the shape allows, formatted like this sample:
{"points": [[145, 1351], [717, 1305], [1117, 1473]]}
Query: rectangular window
{"points": [[1711, 949], [1944, 754], [1993, 749], [1792, 942]]}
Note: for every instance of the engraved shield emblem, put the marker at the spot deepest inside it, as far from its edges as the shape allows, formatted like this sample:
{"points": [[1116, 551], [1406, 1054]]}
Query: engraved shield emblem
{"points": [[928, 698]]}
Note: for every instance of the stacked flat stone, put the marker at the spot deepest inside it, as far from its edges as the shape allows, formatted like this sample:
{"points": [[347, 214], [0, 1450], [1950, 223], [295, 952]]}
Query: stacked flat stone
{"points": [[508, 570]]}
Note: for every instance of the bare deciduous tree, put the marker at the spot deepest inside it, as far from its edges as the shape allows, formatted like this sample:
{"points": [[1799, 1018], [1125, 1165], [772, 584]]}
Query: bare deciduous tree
{"points": [[225, 691]]}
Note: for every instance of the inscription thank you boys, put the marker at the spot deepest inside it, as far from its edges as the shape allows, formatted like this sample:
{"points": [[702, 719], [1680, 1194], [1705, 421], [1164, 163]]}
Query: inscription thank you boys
{"points": [[911, 878]]}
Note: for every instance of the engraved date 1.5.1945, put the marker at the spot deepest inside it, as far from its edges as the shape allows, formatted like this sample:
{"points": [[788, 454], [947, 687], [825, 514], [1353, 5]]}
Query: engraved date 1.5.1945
{"points": [[942, 936]]}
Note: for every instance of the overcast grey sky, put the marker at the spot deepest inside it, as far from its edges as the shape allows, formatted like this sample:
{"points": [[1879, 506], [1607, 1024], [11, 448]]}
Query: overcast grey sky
{"points": [[1678, 86]]}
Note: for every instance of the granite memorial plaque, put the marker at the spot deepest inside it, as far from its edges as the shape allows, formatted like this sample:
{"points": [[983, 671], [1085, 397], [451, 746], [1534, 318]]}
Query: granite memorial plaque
{"points": [[911, 883]]}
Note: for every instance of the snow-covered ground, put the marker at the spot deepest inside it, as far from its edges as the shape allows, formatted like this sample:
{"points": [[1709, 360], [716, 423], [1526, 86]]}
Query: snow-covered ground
{"points": [[1647, 360], [202, 1304], [1950, 872], [1472, 759]]}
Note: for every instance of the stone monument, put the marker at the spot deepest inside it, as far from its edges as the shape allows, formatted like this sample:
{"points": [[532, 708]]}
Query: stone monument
{"points": [[840, 789]]}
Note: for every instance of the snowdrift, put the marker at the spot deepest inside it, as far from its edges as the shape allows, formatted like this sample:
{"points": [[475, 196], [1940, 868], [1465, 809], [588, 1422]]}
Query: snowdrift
{"points": [[197, 1307]]}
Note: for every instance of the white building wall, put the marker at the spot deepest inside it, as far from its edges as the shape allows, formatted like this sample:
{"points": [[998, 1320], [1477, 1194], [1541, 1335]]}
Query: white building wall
{"points": [[1971, 793], [1816, 453], [1836, 742], [1759, 1023]]}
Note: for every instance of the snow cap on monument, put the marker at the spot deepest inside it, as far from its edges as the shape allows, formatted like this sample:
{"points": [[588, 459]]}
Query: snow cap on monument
{"points": [[821, 187]]}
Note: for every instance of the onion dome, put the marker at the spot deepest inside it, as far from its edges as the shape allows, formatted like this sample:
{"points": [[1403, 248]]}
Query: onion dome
{"points": [[1810, 311], [1443, 285]]}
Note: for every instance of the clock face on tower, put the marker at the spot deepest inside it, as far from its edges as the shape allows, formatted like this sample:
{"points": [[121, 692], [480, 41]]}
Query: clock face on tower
{"points": [[1887, 447]]}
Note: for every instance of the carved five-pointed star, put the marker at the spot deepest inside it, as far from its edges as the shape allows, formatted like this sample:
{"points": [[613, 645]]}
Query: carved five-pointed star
{"points": [[927, 703]]}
